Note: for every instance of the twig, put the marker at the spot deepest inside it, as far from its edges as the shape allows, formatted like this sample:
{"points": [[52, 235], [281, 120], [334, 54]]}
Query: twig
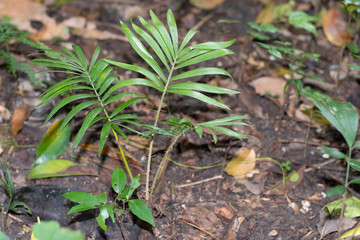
{"points": [[203, 21], [199, 182], [201, 229]]}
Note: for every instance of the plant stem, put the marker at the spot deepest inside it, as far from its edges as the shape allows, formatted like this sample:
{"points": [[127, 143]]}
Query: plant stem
{"points": [[109, 119], [164, 162], [155, 125], [348, 158], [122, 155]]}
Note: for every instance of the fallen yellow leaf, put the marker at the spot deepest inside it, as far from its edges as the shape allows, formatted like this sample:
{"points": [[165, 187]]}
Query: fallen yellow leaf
{"points": [[243, 163]]}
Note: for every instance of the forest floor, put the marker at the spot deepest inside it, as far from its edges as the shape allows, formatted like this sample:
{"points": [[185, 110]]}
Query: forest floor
{"points": [[220, 206]]}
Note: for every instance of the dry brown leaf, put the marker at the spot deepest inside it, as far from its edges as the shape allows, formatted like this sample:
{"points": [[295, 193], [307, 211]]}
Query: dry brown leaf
{"points": [[99, 35], [20, 115], [270, 86], [266, 16], [243, 163], [22, 12], [206, 4], [335, 27]]}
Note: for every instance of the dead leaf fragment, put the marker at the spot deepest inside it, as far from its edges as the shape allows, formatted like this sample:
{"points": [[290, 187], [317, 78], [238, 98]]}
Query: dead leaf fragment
{"points": [[206, 4], [21, 114], [335, 27], [270, 86], [266, 16], [4, 114], [243, 163]]}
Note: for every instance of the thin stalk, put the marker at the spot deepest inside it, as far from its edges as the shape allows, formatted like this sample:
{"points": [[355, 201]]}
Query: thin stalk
{"points": [[164, 162], [346, 187], [155, 125], [109, 119], [122, 155], [281, 167]]}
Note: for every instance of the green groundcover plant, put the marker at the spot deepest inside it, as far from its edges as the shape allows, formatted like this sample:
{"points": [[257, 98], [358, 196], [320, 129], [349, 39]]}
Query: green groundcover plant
{"points": [[93, 87]]}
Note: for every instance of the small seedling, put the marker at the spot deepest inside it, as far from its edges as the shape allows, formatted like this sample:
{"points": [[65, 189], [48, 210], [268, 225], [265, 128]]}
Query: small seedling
{"points": [[9, 32], [87, 201], [8, 185], [345, 119]]}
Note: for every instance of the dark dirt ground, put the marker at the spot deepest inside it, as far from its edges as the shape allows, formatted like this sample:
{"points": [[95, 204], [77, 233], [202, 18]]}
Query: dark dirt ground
{"points": [[222, 208]]}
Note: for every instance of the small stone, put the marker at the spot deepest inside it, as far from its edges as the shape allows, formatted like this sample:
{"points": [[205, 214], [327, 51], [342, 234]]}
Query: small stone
{"points": [[326, 156], [273, 233]]}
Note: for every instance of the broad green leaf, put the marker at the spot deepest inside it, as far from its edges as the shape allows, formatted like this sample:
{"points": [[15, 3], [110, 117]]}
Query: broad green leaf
{"points": [[352, 209], [86, 125], [264, 27], [202, 72], [333, 152], [52, 168], [81, 207], [199, 96], [84, 198], [3, 236], [173, 30], [355, 181], [53, 143], [101, 221], [138, 69], [110, 209], [355, 164], [206, 56], [337, 190], [141, 50], [341, 115], [133, 185], [213, 45], [139, 209], [104, 136], [201, 87], [118, 180], [302, 20], [52, 231], [103, 212]]}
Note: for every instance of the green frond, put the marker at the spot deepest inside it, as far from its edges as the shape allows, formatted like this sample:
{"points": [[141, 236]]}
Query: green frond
{"points": [[88, 121], [163, 32], [173, 30], [104, 135], [124, 105], [201, 87], [138, 69], [142, 51], [186, 40], [204, 57], [202, 72], [153, 44], [199, 96]]}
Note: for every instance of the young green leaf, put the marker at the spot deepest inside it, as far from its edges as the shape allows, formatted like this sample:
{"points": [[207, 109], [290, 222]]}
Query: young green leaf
{"points": [[338, 190], [333, 152], [302, 20], [139, 209], [118, 180], [341, 115], [53, 143], [51, 168]]}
